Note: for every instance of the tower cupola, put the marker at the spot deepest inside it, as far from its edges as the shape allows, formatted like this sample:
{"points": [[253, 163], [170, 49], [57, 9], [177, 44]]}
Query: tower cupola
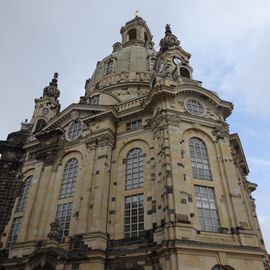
{"points": [[51, 90], [137, 32], [47, 106]]}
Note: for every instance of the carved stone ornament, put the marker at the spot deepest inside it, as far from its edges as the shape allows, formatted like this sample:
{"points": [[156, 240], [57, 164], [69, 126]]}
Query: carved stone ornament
{"points": [[82, 100], [164, 119], [47, 156], [105, 140], [117, 46], [54, 231], [100, 141], [169, 41], [91, 143], [221, 132]]}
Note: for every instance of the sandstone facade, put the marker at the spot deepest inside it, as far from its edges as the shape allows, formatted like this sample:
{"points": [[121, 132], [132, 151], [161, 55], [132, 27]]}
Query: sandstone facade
{"points": [[141, 173]]}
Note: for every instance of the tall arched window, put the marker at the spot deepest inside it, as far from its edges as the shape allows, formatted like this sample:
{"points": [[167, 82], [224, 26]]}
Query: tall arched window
{"points": [[109, 67], [199, 159], [24, 195], [134, 168], [69, 178]]}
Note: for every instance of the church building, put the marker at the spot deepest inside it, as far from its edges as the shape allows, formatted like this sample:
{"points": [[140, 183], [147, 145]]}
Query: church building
{"points": [[141, 174]]}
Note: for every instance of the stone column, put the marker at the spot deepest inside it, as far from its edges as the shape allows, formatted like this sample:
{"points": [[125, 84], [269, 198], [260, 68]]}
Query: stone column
{"points": [[98, 212]]}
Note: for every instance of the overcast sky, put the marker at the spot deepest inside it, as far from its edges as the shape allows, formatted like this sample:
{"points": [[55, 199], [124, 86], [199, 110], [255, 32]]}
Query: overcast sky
{"points": [[229, 41]]}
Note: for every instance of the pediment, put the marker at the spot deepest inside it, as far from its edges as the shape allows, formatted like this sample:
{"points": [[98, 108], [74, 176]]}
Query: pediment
{"points": [[225, 106], [170, 89], [82, 111]]}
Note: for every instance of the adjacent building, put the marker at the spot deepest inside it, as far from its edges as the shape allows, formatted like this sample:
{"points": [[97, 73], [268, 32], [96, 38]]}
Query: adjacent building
{"points": [[142, 173]]}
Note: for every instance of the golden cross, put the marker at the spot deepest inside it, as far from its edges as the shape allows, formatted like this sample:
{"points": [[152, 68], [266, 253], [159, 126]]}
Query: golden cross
{"points": [[136, 13]]}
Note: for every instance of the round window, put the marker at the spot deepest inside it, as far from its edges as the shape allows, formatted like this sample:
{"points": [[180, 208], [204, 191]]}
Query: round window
{"points": [[74, 130], [45, 111], [194, 106]]}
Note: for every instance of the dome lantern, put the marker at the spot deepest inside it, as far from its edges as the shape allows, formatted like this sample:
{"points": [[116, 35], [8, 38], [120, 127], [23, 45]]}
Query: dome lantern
{"points": [[137, 32]]}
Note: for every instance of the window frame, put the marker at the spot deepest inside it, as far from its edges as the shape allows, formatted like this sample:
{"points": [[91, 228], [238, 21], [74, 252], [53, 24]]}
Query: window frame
{"points": [[132, 34], [207, 208], [14, 231], [152, 62], [135, 124], [134, 171], [22, 200], [74, 134], [134, 216], [109, 67], [68, 184], [195, 110], [64, 225], [200, 163]]}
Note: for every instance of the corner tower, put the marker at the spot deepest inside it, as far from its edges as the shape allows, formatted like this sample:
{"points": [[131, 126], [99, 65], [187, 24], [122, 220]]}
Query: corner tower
{"points": [[47, 106]]}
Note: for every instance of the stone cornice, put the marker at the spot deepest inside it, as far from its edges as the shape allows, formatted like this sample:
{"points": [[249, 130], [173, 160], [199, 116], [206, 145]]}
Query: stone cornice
{"points": [[104, 115], [157, 94], [66, 113]]}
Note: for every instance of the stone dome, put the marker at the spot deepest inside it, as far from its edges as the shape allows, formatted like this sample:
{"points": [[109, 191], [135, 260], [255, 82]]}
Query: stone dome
{"points": [[131, 61]]}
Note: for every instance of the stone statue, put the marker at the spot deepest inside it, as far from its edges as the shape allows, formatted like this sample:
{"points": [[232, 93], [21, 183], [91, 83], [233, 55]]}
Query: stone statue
{"points": [[54, 232]]}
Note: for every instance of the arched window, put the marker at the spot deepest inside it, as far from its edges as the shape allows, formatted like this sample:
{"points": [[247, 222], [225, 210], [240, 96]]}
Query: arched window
{"points": [[199, 159], [132, 34], [24, 195], [134, 168], [69, 178], [184, 72], [109, 67], [40, 124]]}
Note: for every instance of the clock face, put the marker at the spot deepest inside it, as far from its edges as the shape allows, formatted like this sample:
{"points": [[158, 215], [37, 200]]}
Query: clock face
{"points": [[177, 61], [45, 111]]}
